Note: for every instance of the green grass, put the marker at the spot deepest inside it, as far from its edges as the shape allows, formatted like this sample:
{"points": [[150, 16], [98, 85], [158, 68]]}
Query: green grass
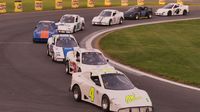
{"points": [[170, 50]]}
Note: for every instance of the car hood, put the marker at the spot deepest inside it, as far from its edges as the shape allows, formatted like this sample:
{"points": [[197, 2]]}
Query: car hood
{"points": [[63, 26], [129, 98], [101, 19], [161, 10], [104, 68], [62, 50]]}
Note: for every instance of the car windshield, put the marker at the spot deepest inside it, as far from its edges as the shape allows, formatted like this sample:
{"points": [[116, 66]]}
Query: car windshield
{"points": [[105, 13], [169, 6], [93, 58], [116, 81], [66, 42], [45, 26], [67, 19], [132, 9]]}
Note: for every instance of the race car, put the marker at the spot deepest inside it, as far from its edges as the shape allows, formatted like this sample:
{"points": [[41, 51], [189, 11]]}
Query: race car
{"points": [[108, 17], [112, 91], [81, 60], [138, 12], [70, 23], [44, 30], [173, 9], [59, 45]]}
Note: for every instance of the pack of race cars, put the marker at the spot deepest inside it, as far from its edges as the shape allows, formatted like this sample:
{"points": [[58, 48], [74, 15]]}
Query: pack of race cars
{"points": [[94, 80]]}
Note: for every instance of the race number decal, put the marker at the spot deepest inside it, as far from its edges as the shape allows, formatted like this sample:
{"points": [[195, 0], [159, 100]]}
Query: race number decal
{"points": [[91, 94], [131, 98]]}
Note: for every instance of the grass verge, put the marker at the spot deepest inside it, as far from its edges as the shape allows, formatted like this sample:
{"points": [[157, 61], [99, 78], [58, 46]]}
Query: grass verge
{"points": [[169, 50]]}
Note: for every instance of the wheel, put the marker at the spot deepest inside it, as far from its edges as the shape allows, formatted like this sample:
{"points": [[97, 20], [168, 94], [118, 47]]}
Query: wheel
{"points": [[185, 12], [169, 13], [76, 93], [48, 51], [67, 67], [79, 69], [137, 17], [149, 16], [74, 30], [105, 103], [110, 22], [52, 57], [82, 27], [34, 41], [121, 21]]}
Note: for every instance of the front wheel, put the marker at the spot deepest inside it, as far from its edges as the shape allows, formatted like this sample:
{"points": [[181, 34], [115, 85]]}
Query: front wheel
{"points": [[76, 93], [82, 26], [121, 21], [53, 57], [185, 12], [110, 23], [105, 103], [137, 17], [67, 67], [169, 13], [149, 16]]}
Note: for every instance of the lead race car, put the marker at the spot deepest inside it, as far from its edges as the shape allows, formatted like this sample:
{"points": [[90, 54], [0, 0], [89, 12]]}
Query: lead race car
{"points": [[108, 17], [44, 30], [59, 45], [173, 9], [81, 60], [138, 12], [112, 91], [70, 23]]}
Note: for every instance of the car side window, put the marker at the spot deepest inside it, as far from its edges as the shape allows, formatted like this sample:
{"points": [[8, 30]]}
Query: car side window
{"points": [[96, 80], [77, 19], [176, 6]]}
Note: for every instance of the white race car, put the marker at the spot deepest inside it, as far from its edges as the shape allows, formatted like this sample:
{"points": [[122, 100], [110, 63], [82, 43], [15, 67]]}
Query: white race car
{"points": [[173, 9], [70, 23], [108, 17], [81, 60], [112, 91], [59, 45]]}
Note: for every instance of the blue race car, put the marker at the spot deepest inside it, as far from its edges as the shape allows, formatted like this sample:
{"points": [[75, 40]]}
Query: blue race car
{"points": [[44, 30]]}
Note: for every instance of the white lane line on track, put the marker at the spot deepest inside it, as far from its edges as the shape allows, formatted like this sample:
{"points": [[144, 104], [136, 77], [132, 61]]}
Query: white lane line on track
{"points": [[87, 43]]}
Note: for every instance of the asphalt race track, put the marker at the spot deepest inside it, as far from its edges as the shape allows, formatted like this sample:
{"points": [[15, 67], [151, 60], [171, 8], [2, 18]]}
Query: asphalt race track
{"points": [[31, 82]]}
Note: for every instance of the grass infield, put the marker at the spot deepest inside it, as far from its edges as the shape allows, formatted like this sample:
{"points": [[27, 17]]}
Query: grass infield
{"points": [[169, 50]]}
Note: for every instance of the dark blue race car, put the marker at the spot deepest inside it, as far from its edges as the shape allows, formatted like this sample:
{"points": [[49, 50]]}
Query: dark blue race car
{"points": [[44, 30]]}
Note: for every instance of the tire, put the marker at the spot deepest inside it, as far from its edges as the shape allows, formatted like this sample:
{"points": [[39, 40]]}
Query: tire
{"points": [[34, 41], [110, 23], [82, 27], [105, 103], [149, 16], [67, 67], [74, 30], [48, 51], [121, 21], [169, 13], [76, 93], [137, 17], [185, 12], [52, 57], [79, 69]]}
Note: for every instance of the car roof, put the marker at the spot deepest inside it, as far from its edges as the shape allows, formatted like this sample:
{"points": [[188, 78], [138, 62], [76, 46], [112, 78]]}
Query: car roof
{"points": [[70, 15], [82, 50], [65, 35], [46, 21], [112, 10]]}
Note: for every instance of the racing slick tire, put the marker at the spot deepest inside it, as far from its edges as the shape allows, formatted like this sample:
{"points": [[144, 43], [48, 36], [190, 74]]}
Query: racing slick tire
{"points": [[169, 13], [149, 16], [74, 29], [67, 69], [110, 23], [121, 20], [82, 26], [48, 54], [76, 93], [137, 17], [185, 12], [105, 103]]}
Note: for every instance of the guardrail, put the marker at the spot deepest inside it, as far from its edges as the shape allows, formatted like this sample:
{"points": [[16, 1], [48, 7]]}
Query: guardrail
{"points": [[59, 4]]}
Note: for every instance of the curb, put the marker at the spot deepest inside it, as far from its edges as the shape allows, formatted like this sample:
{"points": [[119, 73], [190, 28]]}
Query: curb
{"points": [[87, 43]]}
